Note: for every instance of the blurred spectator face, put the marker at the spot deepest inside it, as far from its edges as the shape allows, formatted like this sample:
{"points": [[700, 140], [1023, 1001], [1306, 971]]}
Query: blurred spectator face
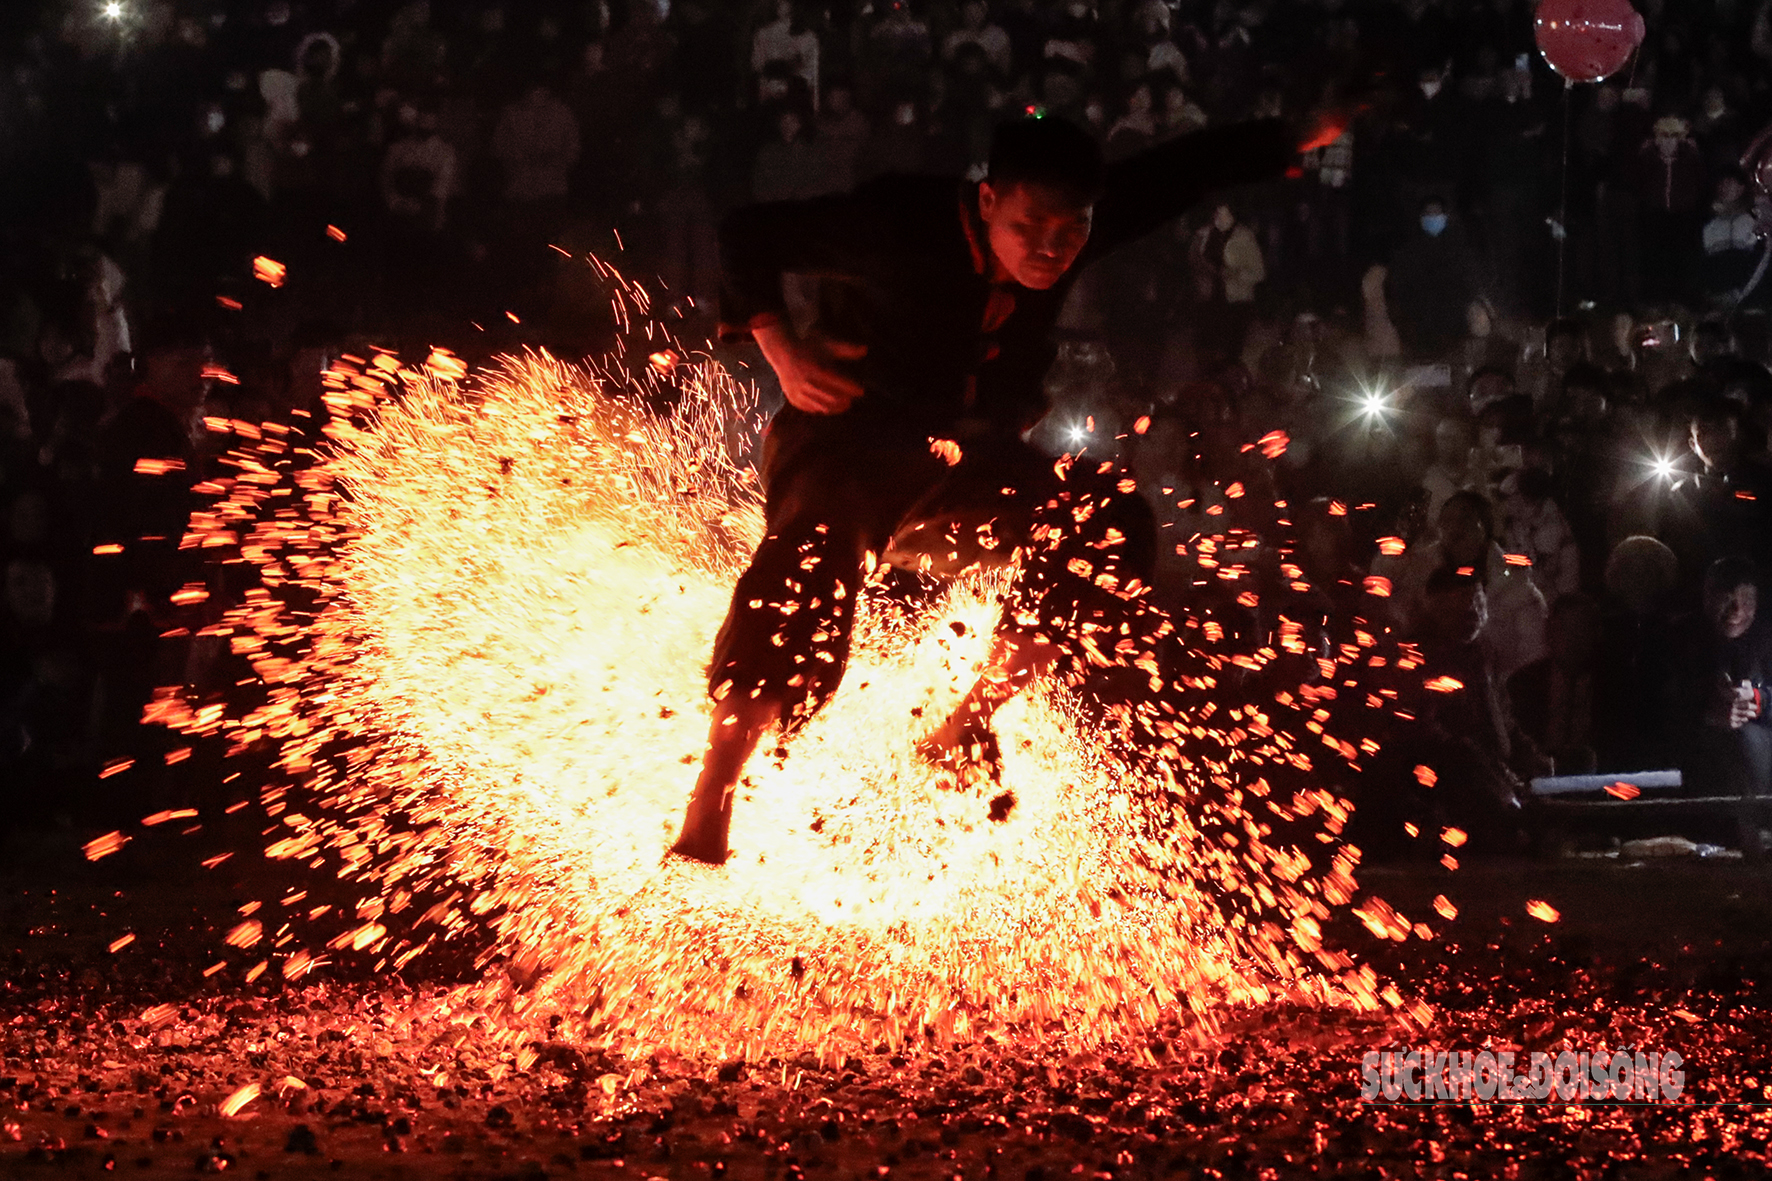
{"points": [[1308, 330], [492, 20], [973, 14], [970, 61], [1714, 437], [1731, 195], [1452, 443], [905, 114], [1716, 104], [1035, 231], [1152, 22], [318, 61], [1059, 88], [1139, 102], [55, 344], [1669, 134], [28, 523], [1430, 83], [1731, 610], [787, 126], [1562, 349], [1457, 613], [1583, 404], [1327, 543], [1464, 534], [1488, 389], [175, 377], [1477, 321], [30, 592], [839, 100], [1223, 219], [1712, 341]]}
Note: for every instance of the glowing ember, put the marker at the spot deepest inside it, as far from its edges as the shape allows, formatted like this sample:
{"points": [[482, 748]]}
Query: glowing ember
{"points": [[479, 645], [104, 846], [233, 1104], [1544, 912], [269, 270]]}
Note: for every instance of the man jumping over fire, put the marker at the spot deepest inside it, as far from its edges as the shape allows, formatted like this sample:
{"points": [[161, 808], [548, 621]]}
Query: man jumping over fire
{"points": [[902, 438]]}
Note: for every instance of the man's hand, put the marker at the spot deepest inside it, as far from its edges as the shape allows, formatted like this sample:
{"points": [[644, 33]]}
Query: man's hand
{"points": [[1733, 705], [807, 370], [1743, 708]]}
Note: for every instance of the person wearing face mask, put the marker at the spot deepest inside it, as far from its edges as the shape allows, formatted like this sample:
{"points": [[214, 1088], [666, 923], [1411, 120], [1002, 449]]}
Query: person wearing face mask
{"points": [[903, 438], [1431, 283]]}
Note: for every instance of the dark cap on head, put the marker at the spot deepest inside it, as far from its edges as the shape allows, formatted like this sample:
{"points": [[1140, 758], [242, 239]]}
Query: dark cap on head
{"points": [[1047, 151]]}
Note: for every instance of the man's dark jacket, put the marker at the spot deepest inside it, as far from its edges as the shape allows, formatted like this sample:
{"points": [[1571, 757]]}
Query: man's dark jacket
{"points": [[901, 273]]}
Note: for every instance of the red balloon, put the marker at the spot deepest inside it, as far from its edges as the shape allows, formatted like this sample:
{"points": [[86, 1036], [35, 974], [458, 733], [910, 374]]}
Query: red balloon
{"points": [[1588, 40]]}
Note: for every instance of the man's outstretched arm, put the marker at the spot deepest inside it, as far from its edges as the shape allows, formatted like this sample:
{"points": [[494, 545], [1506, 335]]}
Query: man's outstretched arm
{"points": [[1160, 184]]}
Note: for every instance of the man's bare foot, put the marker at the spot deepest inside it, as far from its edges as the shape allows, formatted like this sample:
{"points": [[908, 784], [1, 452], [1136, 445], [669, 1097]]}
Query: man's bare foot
{"points": [[733, 735], [706, 823], [706, 851]]}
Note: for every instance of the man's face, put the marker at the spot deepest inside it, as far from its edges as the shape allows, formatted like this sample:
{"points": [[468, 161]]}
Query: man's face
{"points": [[1462, 535], [1457, 614], [1562, 350], [1035, 231], [176, 376], [1732, 611], [1452, 443]]}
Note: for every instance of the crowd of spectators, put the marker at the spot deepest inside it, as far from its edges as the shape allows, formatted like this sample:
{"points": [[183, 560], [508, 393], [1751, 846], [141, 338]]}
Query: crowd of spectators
{"points": [[1505, 326]]}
